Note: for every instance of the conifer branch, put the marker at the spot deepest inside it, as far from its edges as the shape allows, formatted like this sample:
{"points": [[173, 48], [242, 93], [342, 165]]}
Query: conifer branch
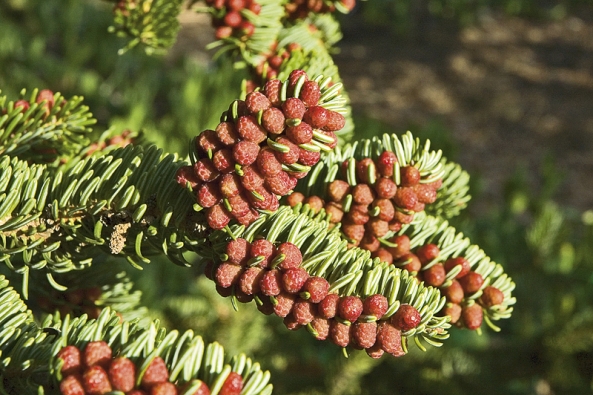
{"points": [[451, 243], [453, 195], [302, 52], [121, 209], [349, 271], [152, 23], [24, 347], [39, 358], [246, 34], [408, 151], [391, 272], [186, 356], [316, 31], [125, 203], [43, 127]]}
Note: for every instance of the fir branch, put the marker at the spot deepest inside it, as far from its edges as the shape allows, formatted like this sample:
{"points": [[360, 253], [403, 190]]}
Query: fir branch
{"points": [[59, 217], [452, 243], [317, 61], [329, 29], [45, 127], [14, 317], [125, 203], [315, 32], [349, 271], [352, 271], [24, 347], [453, 195], [409, 151], [301, 47], [112, 139], [185, 355], [152, 23], [243, 148], [298, 9], [253, 35]]}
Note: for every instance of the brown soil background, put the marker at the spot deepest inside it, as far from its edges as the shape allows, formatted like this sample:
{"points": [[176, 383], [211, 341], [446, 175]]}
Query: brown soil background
{"points": [[510, 91]]}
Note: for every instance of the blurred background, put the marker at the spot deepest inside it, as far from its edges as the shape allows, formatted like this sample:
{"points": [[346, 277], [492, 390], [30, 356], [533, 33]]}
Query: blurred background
{"points": [[504, 87]]}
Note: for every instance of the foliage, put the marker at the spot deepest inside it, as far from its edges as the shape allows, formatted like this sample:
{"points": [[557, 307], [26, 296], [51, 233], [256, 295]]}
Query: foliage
{"points": [[80, 214], [63, 46]]}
